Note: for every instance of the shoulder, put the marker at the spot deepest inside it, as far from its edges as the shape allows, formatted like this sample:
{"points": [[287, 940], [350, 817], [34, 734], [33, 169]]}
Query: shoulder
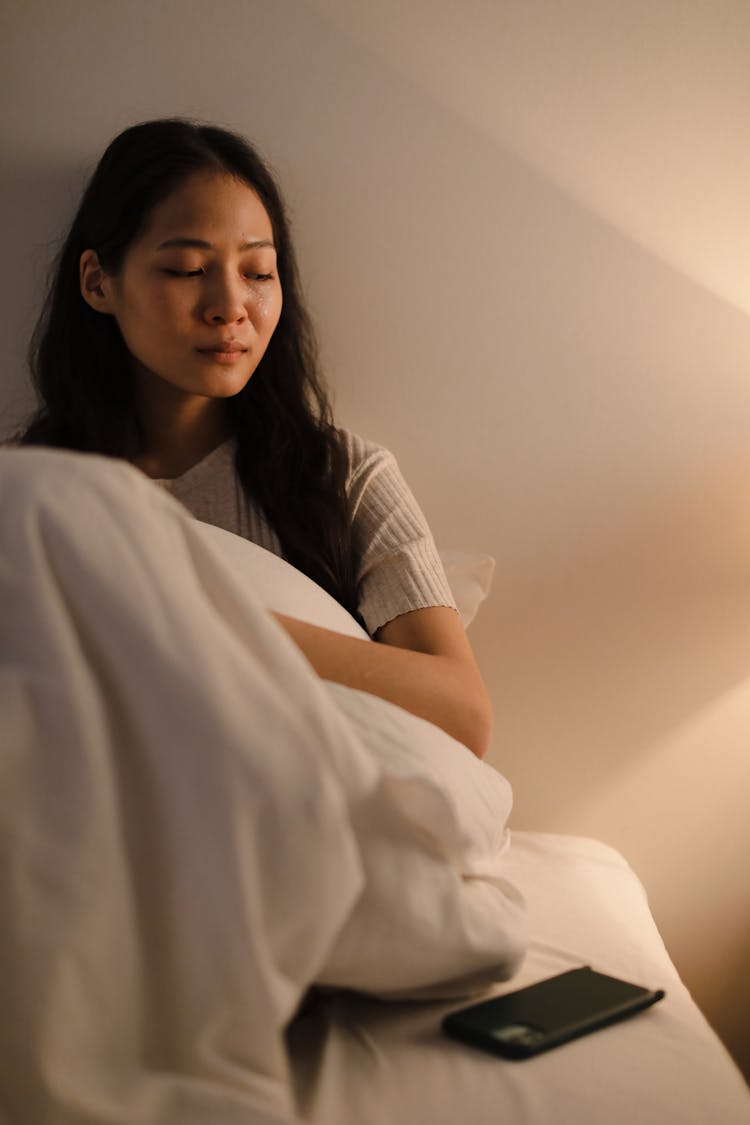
{"points": [[360, 450], [366, 461], [376, 488]]}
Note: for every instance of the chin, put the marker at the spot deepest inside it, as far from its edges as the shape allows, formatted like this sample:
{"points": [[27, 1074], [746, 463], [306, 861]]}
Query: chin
{"points": [[227, 387]]}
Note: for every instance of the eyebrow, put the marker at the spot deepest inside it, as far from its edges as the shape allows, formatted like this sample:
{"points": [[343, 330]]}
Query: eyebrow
{"points": [[200, 244]]}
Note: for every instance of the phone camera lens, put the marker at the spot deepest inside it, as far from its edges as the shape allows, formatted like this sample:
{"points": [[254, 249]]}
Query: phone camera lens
{"points": [[518, 1033]]}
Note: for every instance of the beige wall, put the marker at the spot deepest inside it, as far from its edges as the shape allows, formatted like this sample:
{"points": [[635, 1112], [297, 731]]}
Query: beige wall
{"points": [[526, 241]]}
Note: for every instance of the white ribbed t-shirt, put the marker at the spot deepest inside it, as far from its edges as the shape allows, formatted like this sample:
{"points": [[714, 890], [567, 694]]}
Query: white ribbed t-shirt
{"points": [[397, 565]]}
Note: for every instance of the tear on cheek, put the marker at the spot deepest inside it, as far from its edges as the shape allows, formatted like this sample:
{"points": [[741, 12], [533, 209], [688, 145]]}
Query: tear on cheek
{"points": [[269, 313]]}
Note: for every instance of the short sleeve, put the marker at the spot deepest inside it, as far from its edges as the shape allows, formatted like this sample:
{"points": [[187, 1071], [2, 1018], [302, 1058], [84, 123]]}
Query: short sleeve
{"points": [[398, 568]]}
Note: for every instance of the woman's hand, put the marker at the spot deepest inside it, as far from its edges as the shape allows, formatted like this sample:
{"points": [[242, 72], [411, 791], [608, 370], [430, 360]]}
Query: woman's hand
{"points": [[421, 661]]}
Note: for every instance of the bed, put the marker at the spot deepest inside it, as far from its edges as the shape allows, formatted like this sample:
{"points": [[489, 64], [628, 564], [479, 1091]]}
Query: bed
{"points": [[357, 1059], [233, 893]]}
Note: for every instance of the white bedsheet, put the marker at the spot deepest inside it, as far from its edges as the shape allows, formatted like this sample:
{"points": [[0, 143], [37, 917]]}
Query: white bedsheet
{"points": [[194, 829], [373, 1063]]}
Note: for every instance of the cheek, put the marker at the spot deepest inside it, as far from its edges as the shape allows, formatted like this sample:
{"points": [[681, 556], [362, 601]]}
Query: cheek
{"points": [[269, 311], [167, 303], [152, 306], [152, 322]]}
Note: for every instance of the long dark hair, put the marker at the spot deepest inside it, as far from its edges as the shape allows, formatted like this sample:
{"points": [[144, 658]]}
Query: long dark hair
{"points": [[290, 458]]}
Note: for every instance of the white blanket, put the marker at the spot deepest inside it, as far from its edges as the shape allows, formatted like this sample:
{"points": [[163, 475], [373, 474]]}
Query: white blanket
{"points": [[194, 828]]}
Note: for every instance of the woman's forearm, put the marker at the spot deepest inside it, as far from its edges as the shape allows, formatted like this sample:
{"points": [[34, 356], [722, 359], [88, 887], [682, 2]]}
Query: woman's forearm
{"points": [[445, 689]]}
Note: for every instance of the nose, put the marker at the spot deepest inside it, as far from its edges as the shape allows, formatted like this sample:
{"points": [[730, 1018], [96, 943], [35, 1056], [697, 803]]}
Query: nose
{"points": [[225, 301]]}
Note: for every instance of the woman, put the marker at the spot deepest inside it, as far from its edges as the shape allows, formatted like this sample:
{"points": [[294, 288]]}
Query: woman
{"points": [[175, 336]]}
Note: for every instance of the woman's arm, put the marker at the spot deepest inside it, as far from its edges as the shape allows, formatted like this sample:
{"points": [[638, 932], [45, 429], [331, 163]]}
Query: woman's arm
{"points": [[421, 661]]}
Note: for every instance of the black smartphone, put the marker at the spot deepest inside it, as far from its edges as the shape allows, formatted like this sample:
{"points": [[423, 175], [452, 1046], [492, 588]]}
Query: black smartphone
{"points": [[546, 1014]]}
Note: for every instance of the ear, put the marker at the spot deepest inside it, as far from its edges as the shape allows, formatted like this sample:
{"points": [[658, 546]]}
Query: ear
{"points": [[94, 282]]}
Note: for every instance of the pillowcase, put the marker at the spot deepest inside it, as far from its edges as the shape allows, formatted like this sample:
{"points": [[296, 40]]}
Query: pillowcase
{"points": [[470, 578], [283, 588], [437, 916], [278, 584], [431, 833]]}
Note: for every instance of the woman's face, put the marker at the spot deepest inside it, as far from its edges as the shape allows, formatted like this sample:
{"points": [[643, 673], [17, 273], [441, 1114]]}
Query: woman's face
{"points": [[198, 296]]}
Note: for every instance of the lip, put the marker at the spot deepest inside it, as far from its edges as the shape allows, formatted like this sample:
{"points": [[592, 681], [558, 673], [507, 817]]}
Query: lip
{"points": [[227, 346], [224, 353]]}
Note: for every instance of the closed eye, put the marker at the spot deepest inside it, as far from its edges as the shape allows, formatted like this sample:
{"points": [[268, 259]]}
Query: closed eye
{"points": [[198, 273]]}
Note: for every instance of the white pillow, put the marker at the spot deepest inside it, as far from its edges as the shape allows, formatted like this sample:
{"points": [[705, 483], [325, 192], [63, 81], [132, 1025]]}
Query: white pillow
{"points": [[279, 585], [282, 587], [431, 835], [437, 916], [470, 578]]}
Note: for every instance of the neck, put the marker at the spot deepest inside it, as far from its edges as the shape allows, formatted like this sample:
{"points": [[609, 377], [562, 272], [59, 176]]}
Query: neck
{"points": [[178, 432]]}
